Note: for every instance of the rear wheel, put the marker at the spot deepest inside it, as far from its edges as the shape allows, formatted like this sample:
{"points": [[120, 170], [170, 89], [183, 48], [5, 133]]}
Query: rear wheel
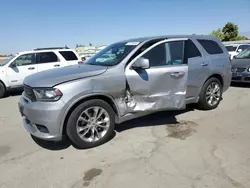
{"points": [[91, 124], [210, 95], [2, 90]]}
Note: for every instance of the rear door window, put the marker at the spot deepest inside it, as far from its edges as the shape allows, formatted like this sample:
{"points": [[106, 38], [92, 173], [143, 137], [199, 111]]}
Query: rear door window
{"points": [[243, 47], [68, 55], [46, 57], [231, 48], [210, 46], [191, 50]]}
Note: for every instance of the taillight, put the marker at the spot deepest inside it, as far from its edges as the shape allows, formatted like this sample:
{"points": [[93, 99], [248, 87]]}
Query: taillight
{"points": [[80, 62]]}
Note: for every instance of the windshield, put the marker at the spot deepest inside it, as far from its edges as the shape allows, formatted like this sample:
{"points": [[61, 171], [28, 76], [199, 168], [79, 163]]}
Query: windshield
{"points": [[231, 48], [112, 55], [7, 61], [244, 55]]}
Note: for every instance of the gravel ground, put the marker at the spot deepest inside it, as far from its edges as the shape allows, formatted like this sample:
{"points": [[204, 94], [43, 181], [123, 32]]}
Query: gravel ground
{"points": [[184, 149]]}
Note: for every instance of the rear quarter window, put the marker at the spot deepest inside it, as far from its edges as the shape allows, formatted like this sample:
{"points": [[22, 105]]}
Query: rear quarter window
{"points": [[68, 55], [210, 46]]}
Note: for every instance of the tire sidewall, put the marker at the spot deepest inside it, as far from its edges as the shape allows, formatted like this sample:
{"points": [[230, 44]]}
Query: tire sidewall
{"points": [[206, 105], [2, 90], [71, 124]]}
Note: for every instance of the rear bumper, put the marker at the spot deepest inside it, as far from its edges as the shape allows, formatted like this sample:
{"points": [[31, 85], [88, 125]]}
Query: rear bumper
{"points": [[42, 119]]}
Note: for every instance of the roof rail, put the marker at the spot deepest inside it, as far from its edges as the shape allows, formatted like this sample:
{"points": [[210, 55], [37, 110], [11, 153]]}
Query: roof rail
{"points": [[51, 48]]}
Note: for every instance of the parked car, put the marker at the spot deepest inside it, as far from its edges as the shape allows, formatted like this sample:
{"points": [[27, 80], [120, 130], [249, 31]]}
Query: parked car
{"points": [[16, 68], [241, 67], [147, 75], [235, 49]]}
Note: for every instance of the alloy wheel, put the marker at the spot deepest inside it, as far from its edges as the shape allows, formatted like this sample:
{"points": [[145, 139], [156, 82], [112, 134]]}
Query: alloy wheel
{"points": [[93, 124], [213, 94]]}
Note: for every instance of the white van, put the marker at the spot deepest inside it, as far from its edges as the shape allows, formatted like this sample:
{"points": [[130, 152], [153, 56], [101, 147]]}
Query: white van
{"points": [[16, 68], [235, 49]]}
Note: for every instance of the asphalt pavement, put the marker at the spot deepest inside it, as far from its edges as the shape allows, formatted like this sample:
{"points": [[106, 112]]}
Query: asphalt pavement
{"points": [[185, 149]]}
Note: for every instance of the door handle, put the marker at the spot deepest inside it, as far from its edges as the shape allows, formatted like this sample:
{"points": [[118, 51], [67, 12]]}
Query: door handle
{"points": [[204, 64], [177, 74], [57, 65], [31, 68]]}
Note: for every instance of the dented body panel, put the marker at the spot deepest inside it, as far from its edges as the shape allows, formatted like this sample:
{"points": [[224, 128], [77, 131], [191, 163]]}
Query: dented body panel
{"points": [[157, 88]]}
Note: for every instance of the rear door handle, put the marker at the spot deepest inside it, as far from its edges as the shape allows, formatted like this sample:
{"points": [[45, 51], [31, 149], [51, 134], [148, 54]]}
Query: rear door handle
{"points": [[177, 74], [204, 64], [31, 68], [57, 65]]}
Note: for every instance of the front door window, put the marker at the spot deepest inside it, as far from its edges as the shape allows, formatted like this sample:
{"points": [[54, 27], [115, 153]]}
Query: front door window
{"points": [[165, 54], [26, 59]]}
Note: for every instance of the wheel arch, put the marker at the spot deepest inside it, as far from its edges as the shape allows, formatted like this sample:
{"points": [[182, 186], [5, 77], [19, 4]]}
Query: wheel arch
{"points": [[215, 75], [108, 99], [218, 76], [3, 84]]}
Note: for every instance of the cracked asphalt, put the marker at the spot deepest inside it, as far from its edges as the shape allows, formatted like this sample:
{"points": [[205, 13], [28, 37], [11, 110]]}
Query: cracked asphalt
{"points": [[186, 149]]}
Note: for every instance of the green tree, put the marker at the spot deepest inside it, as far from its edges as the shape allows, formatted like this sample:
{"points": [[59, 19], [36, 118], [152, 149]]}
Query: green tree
{"points": [[230, 32], [217, 33], [239, 37]]}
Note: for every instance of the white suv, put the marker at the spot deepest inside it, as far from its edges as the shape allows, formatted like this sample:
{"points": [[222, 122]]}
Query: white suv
{"points": [[235, 49], [15, 69]]}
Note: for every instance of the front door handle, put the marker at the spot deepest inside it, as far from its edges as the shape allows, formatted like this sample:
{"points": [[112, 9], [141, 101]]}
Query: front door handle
{"points": [[57, 65], [177, 74], [31, 68], [204, 64]]}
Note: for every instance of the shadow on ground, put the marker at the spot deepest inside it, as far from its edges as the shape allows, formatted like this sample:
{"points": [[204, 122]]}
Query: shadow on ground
{"points": [[156, 119], [243, 85], [13, 93]]}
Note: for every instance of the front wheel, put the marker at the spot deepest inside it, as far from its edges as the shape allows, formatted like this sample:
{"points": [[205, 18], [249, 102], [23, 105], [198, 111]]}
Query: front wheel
{"points": [[91, 124], [210, 95]]}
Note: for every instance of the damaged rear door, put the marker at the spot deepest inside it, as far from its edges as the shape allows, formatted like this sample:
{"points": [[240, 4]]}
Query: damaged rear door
{"points": [[161, 85]]}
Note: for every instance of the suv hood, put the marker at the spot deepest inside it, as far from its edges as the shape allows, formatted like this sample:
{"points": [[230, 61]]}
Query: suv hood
{"points": [[245, 63], [56, 76]]}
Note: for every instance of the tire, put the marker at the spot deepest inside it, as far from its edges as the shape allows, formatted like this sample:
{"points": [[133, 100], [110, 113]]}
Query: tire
{"points": [[203, 103], [2, 90], [74, 124]]}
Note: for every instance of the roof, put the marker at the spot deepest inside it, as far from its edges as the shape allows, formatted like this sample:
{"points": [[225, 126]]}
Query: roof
{"points": [[47, 50], [144, 39]]}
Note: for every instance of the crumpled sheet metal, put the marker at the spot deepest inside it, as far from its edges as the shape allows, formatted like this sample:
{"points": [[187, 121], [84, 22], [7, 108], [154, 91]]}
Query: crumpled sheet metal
{"points": [[133, 104], [156, 89], [154, 103]]}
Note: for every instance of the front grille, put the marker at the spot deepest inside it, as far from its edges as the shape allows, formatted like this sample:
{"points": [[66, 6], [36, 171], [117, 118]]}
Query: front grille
{"points": [[29, 93], [238, 69]]}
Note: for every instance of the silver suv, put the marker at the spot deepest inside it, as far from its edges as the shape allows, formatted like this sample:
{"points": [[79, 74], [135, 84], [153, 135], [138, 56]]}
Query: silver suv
{"points": [[126, 80]]}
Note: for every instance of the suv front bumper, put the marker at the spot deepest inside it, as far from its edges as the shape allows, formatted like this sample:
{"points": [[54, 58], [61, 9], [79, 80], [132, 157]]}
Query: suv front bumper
{"points": [[42, 119]]}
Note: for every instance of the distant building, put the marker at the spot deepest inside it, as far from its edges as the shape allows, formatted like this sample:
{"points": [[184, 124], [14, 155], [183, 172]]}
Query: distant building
{"points": [[88, 51]]}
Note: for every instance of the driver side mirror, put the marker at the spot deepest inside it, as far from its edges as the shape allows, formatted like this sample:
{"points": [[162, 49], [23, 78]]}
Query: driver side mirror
{"points": [[141, 63], [240, 50]]}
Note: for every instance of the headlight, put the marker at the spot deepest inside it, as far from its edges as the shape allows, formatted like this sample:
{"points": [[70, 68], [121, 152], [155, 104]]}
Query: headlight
{"points": [[47, 94], [248, 70]]}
